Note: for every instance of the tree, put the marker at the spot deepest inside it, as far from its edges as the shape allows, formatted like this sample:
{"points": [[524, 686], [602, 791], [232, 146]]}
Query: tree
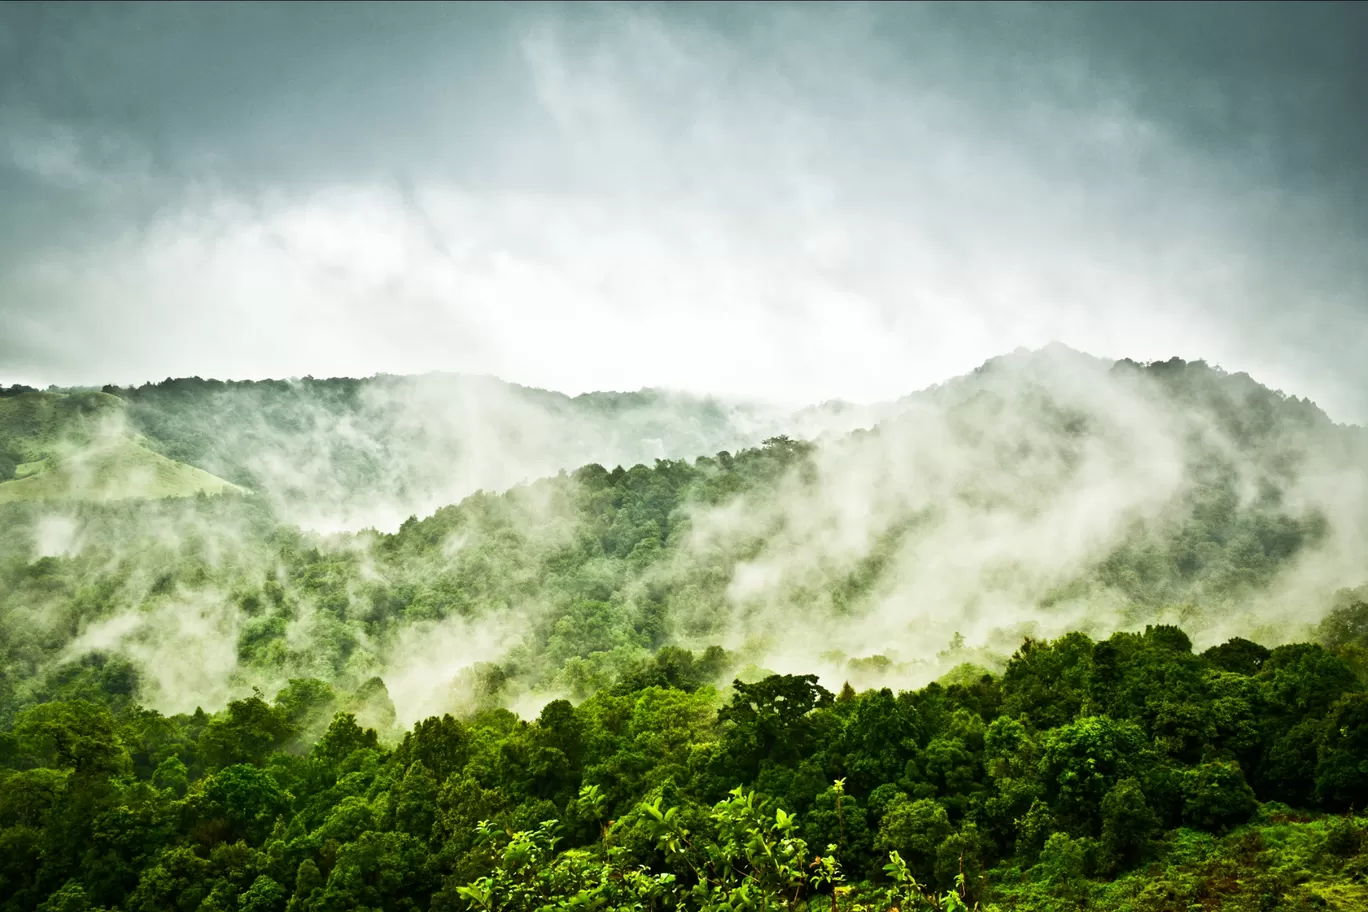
{"points": [[1287, 771], [172, 776], [915, 830], [962, 861], [264, 895], [1048, 682], [1237, 655], [386, 871], [1346, 625], [1216, 796], [1063, 866], [71, 897], [415, 802], [239, 802], [344, 738], [1083, 761], [1342, 761], [1127, 823], [836, 818], [246, 733], [755, 860], [770, 718], [75, 735], [1305, 679], [878, 740]]}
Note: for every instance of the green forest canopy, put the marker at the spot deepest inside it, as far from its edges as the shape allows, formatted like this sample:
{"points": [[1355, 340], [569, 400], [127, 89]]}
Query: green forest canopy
{"points": [[1126, 773], [387, 772]]}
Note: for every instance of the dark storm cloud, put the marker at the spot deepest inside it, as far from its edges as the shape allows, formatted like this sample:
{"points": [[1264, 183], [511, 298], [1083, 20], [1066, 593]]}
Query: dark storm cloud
{"points": [[807, 200]]}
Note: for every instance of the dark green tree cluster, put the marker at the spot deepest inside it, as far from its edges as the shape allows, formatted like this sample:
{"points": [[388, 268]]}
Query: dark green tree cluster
{"points": [[1082, 762]]}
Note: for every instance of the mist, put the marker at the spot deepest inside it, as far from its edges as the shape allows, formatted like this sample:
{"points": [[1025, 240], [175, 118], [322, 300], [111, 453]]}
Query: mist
{"points": [[344, 454], [1044, 493], [991, 505]]}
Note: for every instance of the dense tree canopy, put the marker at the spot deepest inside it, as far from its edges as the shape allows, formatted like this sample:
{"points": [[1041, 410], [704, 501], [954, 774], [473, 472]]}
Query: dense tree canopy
{"points": [[1069, 777], [521, 700]]}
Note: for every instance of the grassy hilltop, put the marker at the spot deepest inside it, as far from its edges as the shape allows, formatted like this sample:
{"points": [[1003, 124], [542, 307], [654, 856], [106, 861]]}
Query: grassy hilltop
{"points": [[76, 447]]}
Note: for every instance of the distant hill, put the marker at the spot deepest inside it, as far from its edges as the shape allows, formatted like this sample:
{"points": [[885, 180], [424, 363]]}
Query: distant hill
{"points": [[1045, 492], [77, 447], [118, 470], [35, 426], [348, 453]]}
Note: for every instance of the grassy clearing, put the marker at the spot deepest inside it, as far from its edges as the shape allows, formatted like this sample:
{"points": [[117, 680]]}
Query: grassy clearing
{"points": [[120, 470], [75, 446], [38, 425]]}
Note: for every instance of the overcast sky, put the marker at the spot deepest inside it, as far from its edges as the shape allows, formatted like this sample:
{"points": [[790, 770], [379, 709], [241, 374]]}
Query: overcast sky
{"points": [[786, 202]]}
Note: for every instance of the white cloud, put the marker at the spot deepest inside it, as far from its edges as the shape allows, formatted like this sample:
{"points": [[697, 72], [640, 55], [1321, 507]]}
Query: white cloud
{"points": [[802, 215]]}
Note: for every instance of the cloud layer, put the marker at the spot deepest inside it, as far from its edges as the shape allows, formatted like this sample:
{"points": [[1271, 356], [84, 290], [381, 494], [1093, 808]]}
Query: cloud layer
{"points": [[783, 202]]}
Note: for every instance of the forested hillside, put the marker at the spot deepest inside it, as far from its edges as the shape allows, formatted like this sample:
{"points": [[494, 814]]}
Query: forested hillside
{"points": [[347, 453], [1008, 633], [1128, 773]]}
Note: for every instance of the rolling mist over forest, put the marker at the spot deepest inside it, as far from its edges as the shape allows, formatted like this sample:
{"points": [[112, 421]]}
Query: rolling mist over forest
{"points": [[683, 457], [1047, 496], [347, 454], [1046, 492], [355, 453]]}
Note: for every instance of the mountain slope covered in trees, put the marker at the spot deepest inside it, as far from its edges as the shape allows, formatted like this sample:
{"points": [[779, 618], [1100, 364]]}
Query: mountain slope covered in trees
{"points": [[1045, 493], [1009, 632], [346, 453], [1128, 773]]}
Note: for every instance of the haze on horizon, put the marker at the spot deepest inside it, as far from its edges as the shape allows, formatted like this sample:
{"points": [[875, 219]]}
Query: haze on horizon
{"points": [[783, 202]]}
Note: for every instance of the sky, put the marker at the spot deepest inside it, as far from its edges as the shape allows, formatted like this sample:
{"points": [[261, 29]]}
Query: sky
{"points": [[783, 202]]}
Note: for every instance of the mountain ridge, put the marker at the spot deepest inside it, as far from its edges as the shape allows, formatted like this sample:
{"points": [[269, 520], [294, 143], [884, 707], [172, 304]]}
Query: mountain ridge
{"points": [[1041, 495], [389, 445]]}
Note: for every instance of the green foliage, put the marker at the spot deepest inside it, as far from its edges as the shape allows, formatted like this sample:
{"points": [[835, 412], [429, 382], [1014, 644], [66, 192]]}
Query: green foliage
{"points": [[1342, 764], [1128, 772], [1216, 796], [237, 803], [1238, 656], [955, 804], [246, 733], [1083, 761], [915, 830], [77, 735], [1347, 623], [603, 563], [1128, 822]]}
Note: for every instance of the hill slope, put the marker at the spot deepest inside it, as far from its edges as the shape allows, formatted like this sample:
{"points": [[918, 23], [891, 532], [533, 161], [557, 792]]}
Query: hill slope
{"points": [[75, 447], [1006, 549], [1044, 493], [119, 470], [348, 453], [35, 426]]}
